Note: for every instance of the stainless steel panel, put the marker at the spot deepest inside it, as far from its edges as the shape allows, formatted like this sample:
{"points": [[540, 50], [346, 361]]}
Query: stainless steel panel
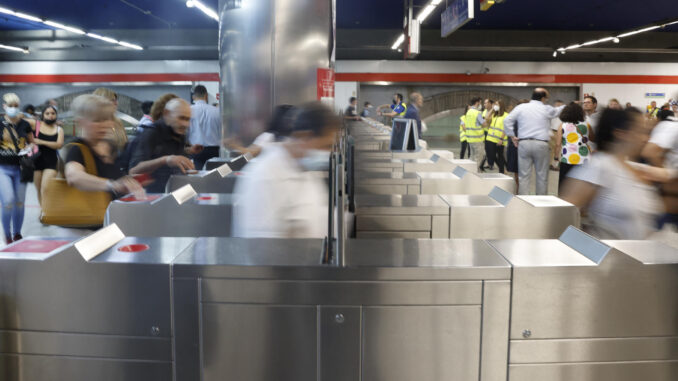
{"points": [[647, 252], [421, 343], [340, 344], [259, 343], [594, 350], [413, 189], [400, 205], [50, 368], [390, 178], [392, 234], [380, 189], [495, 345], [340, 293], [440, 227], [397, 223], [622, 371], [470, 183], [428, 165], [186, 327], [207, 184]]}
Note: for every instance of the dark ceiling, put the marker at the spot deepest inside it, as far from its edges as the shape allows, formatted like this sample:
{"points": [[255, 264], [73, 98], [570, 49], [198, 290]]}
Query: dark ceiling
{"points": [[513, 30]]}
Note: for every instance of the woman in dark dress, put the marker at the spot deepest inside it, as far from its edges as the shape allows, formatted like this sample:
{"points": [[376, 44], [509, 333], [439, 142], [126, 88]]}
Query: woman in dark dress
{"points": [[50, 138]]}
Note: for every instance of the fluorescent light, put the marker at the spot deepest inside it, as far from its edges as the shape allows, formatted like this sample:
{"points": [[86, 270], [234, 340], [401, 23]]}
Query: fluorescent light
{"points": [[27, 17], [555, 54], [436, 2], [102, 38], [639, 31], [398, 42], [14, 48], [573, 47], [128, 45], [425, 13], [597, 41], [206, 10], [64, 27]]}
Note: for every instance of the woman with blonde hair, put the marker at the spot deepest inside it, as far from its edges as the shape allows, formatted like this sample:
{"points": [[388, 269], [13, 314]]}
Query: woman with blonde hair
{"points": [[118, 134]]}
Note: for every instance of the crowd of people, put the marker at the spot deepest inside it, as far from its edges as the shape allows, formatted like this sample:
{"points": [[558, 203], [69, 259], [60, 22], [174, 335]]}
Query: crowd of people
{"points": [[173, 136]]}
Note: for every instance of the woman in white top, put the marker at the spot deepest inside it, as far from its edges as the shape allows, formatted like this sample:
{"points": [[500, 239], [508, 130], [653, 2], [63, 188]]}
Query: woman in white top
{"points": [[620, 203], [278, 196]]}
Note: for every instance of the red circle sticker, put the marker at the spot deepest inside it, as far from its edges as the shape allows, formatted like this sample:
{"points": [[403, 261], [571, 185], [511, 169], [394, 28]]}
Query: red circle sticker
{"points": [[205, 198], [134, 248]]}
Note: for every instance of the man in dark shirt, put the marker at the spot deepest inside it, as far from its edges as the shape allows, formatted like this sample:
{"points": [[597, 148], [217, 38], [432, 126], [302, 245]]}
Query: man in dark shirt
{"points": [[416, 103], [162, 150], [351, 111]]}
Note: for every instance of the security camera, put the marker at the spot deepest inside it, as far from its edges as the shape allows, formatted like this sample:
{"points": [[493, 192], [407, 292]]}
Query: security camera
{"points": [[486, 70], [468, 72]]}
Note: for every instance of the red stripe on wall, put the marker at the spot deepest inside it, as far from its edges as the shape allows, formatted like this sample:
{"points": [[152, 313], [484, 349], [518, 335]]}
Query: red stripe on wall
{"points": [[66, 78], [531, 78]]}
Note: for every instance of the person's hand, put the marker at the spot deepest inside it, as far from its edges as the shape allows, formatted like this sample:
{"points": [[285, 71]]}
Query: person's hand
{"points": [[515, 141], [194, 149], [181, 162], [127, 185]]}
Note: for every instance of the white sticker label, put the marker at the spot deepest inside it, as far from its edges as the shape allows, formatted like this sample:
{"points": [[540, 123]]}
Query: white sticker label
{"points": [[90, 247], [224, 170], [184, 194]]}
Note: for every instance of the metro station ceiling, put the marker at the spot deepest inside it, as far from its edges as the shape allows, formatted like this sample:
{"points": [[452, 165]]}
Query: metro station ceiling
{"points": [[513, 30]]}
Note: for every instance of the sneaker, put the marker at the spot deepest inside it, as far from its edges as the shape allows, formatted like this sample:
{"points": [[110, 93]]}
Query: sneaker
{"points": [[8, 240], [17, 237]]}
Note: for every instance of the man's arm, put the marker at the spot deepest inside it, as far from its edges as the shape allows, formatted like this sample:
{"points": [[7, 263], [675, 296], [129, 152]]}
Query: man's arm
{"points": [[554, 112], [480, 120]]}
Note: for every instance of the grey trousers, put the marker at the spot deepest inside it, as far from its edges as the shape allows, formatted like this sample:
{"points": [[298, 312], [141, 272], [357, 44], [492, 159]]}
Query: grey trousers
{"points": [[538, 154], [477, 152]]}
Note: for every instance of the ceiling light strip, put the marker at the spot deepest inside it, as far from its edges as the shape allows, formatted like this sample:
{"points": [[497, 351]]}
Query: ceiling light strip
{"points": [[615, 39], [204, 8], [14, 48]]}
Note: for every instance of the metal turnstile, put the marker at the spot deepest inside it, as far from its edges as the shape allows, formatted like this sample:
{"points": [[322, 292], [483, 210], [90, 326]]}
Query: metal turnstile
{"points": [[386, 183], [205, 181], [205, 214], [401, 216], [587, 310], [461, 181], [502, 215]]}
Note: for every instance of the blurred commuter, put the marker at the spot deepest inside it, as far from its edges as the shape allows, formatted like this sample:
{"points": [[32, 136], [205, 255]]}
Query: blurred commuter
{"points": [[652, 110], [205, 128], [158, 108], [279, 128], [117, 135], [534, 119], [614, 104], [620, 203], [146, 119], [416, 103], [279, 197], [16, 136], [629, 105], [49, 138], [351, 112], [162, 150], [398, 108], [573, 141], [29, 111], [465, 149], [496, 137], [367, 106], [674, 108], [473, 129]]}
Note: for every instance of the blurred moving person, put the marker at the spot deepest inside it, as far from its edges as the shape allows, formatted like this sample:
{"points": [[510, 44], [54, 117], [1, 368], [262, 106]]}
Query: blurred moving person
{"points": [[534, 119], [652, 110], [351, 112], [614, 104], [619, 202], [117, 135], [146, 120], [496, 137], [16, 136], [162, 150], [49, 139], [367, 106], [279, 128], [473, 129], [572, 141], [278, 196], [416, 103], [205, 128]]}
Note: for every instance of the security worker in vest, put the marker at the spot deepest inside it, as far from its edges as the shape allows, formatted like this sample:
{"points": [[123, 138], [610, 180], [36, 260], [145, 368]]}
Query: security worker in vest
{"points": [[465, 150], [473, 128], [496, 138], [398, 108], [487, 108]]}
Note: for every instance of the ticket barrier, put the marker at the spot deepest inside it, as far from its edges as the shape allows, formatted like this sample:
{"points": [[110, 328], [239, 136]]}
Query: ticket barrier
{"points": [[236, 164], [386, 183], [111, 307], [503, 215], [167, 215], [463, 181], [220, 180]]}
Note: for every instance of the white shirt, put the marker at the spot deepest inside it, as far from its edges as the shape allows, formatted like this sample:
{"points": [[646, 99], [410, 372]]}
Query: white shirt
{"points": [[624, 207], [534, 119], [277, 199], [665, 135], [264, 139], [205, 125]]}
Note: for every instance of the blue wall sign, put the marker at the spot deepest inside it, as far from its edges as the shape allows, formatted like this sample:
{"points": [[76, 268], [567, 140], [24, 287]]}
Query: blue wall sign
{"points": [[455, 16]]}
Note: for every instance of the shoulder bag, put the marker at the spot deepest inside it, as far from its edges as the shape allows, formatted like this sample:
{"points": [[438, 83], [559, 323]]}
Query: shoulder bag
{"points": [[26, 160], [64, 205]]}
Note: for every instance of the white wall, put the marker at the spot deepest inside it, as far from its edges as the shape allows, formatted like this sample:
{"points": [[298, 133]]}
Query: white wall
{"points": [[634, 93], [342, 92]]}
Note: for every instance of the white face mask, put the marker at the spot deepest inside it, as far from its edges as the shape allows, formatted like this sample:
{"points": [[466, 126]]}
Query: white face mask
{"points": [[496, 108], [12, 111]]}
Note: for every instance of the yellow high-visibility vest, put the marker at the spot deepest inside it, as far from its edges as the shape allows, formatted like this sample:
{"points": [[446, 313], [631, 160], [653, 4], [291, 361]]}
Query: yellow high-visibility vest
{"points": [[494, 134], [474, 133], [462, 134], [402, 114]]}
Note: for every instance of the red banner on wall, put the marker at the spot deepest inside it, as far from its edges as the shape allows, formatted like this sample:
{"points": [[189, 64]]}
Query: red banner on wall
{"points": [[325, 83]]}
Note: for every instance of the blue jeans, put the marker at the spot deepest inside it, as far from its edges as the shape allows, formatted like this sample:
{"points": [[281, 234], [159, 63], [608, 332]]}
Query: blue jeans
{"points": [[12, 197]]}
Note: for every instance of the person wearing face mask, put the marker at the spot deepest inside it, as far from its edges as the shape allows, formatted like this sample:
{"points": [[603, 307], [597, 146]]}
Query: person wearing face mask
{"points": [[49, 138], [398, 107], [16, 135], [278, 195], [496, 138]]}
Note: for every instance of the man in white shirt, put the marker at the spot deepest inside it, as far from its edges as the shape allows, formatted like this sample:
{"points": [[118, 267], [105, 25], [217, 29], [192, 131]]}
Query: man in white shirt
{"points": [[534, 119], [590, 106], [205, 127], [278, 195]]}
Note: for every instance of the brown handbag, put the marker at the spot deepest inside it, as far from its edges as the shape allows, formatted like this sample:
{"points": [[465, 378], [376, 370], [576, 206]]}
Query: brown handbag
{"points": [[64, 205]]}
